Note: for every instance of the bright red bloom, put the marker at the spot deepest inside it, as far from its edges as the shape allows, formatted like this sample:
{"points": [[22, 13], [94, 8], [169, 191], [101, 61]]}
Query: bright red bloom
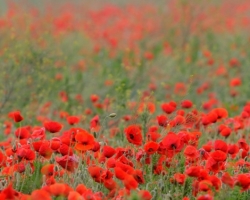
{"points": [[22, 133], [108, 151], [186, 104], [16, 116], [85, 141], [52, 126], [67, 162], [151, 147], [40, 195], [180, 178], [73, 120], [130, 183], [145, 195], [169, 107], [133, 134], [191, 152], [227, 179], [162, 120], [172, 142], [193, 171], [218, 155], [243, 180]]}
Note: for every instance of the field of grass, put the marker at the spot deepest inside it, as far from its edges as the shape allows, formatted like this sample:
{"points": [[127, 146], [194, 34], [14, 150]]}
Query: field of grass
{"points": [[145, 100]]}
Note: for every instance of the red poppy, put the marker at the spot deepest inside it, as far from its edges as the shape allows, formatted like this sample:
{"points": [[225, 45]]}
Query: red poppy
{"points": [[224, 130], [22, 133], [169, 107], [186, 104], [145, 195], [154, 136], [38, 133], [227, 179], [133, 134], [220, 112], [95, 172], [94, 98], [191, 152], [243, 180], [73, 120], [205, 185], [162, 120], [85, 141], [180, 178], [130, 183], [120, 174], [108, 151], [40, 195], [172, 142], [16, 116], [193, 171], [69, 163], [218, 155], [48, 170], [151, 147], [52, 126], [138, 176]]}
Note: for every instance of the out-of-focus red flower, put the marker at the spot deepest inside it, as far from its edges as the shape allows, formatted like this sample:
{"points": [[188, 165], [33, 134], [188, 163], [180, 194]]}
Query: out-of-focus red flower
{"points": [[151, 147], [73, 120], [85, 141], [16, 116], [52, 126], [133, 134]]}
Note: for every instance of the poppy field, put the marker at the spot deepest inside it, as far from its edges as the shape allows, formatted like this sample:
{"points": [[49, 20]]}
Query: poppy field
{"points": [[125, 100]]}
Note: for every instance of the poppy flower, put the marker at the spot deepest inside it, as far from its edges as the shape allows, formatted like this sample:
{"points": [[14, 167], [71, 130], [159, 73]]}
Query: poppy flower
{"points": [[73, 195], [130, 183], [133, 134], [172, 142], [186, 104], [154, 136], [95, 123], [48, 170], [168, 107], [94, 98], [191, 152], [108, 151], [52, 126], [38, 133], [151, 147], [22, 133], [220, 112], [243, 180], [45, 150], [145, 195], [95, 173], [220, 145], [193, 171], [120, 174], [85, 141], [40, 195], [138, 176], [224, 130], [205, 197], [73, 120], [162, 120], [69, 163], [16, 116], [60, 189], [227, 179], [205, 185], [218, 155], [180, 178]]}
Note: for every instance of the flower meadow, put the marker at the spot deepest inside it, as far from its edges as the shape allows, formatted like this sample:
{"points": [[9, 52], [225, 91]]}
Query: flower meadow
{"points": [[125, 100]]}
